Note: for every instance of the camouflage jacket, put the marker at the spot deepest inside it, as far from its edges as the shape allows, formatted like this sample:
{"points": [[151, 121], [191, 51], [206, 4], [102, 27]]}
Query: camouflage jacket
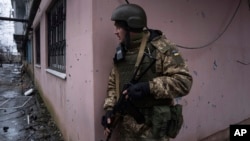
{"points": [[173, 78]]}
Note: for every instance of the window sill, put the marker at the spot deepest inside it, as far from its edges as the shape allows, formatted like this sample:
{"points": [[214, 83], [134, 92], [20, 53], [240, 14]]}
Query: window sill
{"points": [[56, 73], [37, 66]]}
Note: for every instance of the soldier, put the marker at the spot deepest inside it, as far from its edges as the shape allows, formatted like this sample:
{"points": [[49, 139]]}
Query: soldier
{"points": [[158, 84]]}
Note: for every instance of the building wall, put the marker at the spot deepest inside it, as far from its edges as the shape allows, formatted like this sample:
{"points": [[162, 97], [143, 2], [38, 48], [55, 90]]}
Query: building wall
{"points": [[79, 96], [219, 96], [221, 70]]}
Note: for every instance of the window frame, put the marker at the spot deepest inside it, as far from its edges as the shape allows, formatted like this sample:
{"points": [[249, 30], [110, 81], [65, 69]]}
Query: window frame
{"points": [[38, 44], [56, 20]]}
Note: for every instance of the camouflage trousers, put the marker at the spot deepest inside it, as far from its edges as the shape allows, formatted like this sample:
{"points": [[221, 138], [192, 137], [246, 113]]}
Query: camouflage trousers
{"points": [[131, 131]]}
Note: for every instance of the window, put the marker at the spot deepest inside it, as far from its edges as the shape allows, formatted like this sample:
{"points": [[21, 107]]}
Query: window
{"points": [[37, 36], [56, 36], [29, 51]]}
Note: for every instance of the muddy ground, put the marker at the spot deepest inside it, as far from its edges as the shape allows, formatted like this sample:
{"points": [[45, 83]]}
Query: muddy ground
{"points": [[23, 115]]}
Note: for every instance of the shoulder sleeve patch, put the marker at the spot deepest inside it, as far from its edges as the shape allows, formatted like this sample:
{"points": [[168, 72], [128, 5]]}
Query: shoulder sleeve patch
{"points": [[161, 44]]}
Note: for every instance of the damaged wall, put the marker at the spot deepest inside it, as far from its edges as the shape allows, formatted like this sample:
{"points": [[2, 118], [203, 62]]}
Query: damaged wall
{"points": [[219, 96]]}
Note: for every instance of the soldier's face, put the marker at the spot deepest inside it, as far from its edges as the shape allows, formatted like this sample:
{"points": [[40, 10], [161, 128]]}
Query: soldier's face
{"points": [[120, 33]]}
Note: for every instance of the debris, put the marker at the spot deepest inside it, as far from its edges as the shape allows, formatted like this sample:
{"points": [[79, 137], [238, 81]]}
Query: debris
{"points": [[26, 115], [29, 92], [5, 129], [28, 119]]}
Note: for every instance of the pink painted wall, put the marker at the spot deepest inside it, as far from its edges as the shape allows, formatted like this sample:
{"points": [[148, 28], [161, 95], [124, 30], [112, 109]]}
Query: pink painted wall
{"points": [[70, 100], [220, 93]]}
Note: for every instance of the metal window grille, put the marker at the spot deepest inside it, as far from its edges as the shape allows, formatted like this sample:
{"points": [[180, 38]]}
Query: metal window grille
{"points": [[56, 36], [37, 36]]}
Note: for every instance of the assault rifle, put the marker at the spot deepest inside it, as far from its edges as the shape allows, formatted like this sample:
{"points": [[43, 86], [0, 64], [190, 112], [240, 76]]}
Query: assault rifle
{"points": [[125, 106]]}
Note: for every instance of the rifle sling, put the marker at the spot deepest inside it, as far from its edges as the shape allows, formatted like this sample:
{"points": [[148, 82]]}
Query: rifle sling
{"points": [[142, 48], [138, 62]]}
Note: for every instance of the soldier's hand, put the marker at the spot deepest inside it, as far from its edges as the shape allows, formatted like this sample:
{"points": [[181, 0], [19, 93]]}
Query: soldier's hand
{"points": [[106, 119], [138, 91], [125, 92], [106, 131]]}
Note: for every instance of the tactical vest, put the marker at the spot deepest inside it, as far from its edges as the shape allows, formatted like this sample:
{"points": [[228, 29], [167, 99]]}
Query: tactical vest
{"points": [[126, 69], [157, 112]]}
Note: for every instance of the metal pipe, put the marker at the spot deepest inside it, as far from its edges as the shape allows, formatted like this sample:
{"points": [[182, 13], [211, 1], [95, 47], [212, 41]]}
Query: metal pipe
{"points": [[13, 19]]}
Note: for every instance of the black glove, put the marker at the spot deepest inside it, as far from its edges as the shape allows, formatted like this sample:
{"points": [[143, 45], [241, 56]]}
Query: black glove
{"points": [[108, 114], [138, 91]]}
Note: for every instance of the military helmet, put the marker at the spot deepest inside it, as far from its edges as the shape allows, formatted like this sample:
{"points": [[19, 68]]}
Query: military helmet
{"points": [[132, 14]]}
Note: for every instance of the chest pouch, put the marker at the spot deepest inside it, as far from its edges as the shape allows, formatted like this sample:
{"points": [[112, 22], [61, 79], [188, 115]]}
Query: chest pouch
{"points": [[175, 123], [167, 120], [160, 119]]}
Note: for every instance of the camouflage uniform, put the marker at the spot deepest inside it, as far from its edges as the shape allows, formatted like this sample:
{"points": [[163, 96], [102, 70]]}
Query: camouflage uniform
{"points": [[168, 78]]}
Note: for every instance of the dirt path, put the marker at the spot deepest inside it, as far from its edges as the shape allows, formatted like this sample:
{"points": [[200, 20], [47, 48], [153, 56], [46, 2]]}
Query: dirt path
{"points": [[23, 117]]}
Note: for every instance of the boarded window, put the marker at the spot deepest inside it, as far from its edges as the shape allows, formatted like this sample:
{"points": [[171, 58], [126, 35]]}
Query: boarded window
{"points": [[29, 52]]}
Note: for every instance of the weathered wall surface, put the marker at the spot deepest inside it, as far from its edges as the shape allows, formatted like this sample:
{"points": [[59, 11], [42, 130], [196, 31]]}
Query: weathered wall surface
{"points": [[219, 96], [70, 100]]}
